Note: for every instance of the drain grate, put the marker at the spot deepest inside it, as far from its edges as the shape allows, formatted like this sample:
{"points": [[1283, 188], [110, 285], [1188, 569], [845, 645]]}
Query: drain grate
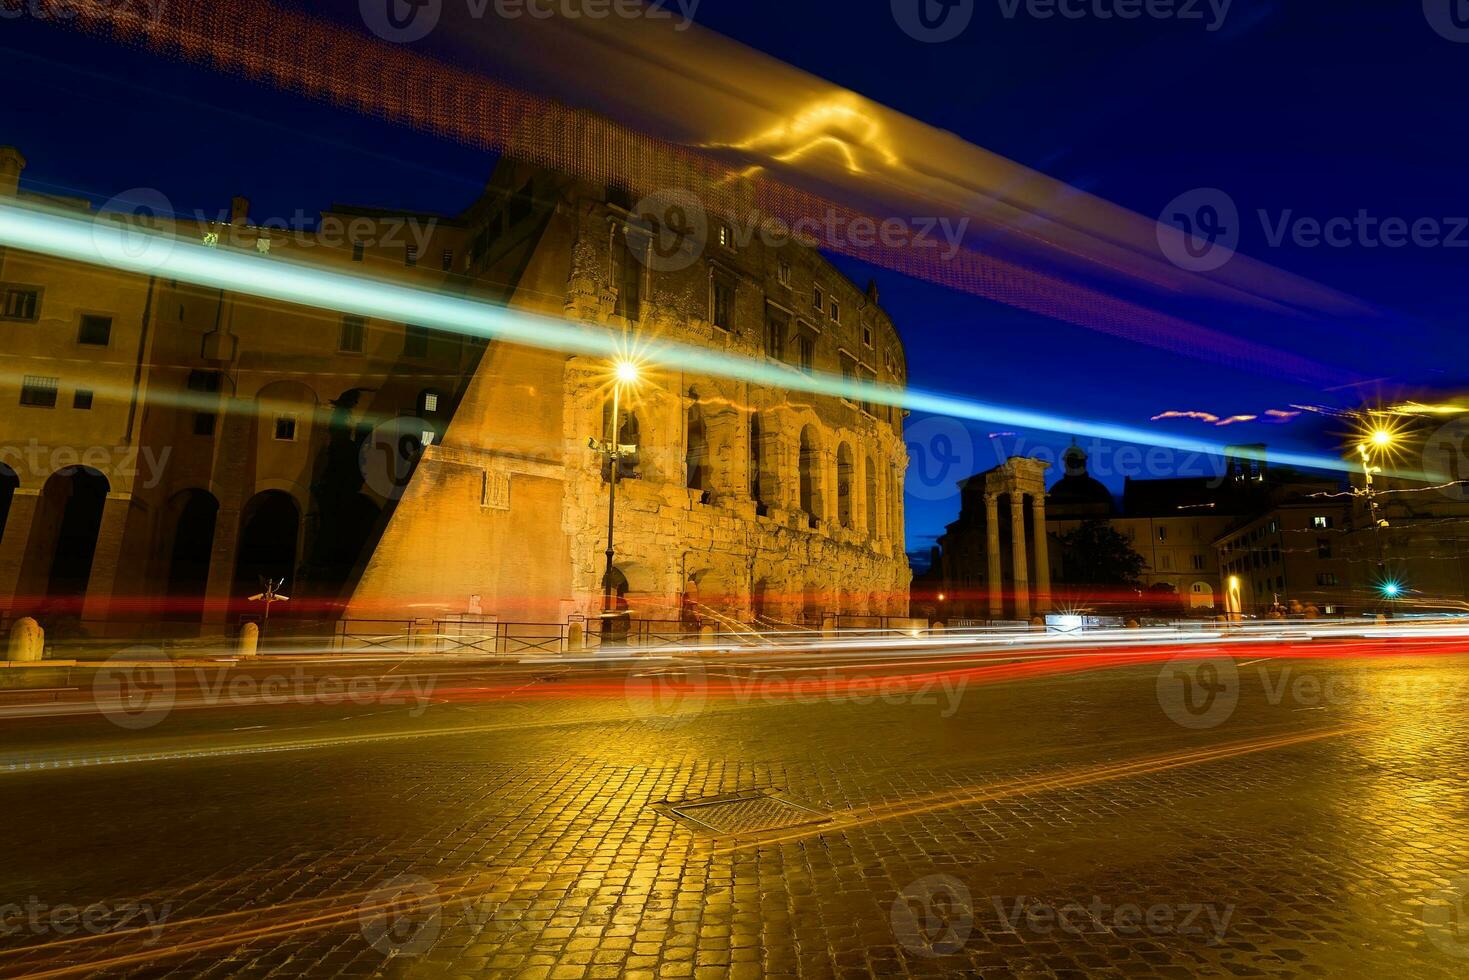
{"points": [[754, 812]]}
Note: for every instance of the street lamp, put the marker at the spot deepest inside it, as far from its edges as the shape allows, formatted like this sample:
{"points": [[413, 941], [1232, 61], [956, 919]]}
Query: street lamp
{"points": [[625, 372], [1378, 440]]}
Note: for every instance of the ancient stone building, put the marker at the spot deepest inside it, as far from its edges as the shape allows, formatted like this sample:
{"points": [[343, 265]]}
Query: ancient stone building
{"points": [[169, 444], [744, 500]]}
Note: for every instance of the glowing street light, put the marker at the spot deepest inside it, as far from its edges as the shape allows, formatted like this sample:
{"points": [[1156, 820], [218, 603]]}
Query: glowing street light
{"points": [[625, 373]]}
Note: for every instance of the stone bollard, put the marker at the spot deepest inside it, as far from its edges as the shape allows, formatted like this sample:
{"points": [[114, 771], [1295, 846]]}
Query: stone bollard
{"points": [[249, 639], [27, 641], [576, 641]]}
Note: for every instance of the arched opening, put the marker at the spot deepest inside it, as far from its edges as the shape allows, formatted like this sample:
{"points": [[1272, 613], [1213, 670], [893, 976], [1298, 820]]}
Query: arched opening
{"points": [[1201, 596], [810, 476], [9, 483], [757, 471], [192, 513], [811, 605], [696, 458], [269, 529], [78, 495], [869, 484], [846, 473], [628, 434], [759, 603]]}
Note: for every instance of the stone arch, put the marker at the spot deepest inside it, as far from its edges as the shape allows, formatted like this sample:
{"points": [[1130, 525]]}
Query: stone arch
{"points": [[269, 543], [189, 522], [813, 604], [9, 483], [846, 485], [809, 464], [629, 433], [1201, 596], [64, 538], [762, 490]]}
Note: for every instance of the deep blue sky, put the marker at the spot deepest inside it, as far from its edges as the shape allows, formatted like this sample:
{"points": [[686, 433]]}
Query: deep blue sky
{"points": [[1321, 109]]}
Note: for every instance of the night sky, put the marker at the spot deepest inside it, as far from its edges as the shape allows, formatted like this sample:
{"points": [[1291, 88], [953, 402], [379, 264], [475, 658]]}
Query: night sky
{"points": [[1322, 110]]}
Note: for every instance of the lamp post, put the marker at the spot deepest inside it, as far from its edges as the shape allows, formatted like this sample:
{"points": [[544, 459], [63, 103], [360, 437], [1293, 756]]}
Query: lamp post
{"points": [[625, 372], [1379, 439]]}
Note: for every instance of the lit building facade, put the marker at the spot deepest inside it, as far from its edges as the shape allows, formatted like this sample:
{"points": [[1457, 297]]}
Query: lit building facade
{"points": [[169, 446]]}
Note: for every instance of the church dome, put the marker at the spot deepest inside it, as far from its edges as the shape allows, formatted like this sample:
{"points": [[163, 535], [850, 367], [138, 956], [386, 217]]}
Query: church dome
{"points": [[1078, 490]]}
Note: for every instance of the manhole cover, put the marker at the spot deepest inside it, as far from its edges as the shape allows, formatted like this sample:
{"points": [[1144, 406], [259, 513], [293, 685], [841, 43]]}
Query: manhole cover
{"points": [[753, 812]]}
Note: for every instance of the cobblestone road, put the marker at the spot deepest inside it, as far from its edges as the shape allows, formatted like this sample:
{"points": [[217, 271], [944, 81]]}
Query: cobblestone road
{"points": [[1114, 822]]}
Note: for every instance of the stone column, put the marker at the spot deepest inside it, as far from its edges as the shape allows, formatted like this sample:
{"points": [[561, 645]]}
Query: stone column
{"points": [[1017, 555], [729, 455], [1042, 555], [992, 553], [103, 580], [14, 542]]}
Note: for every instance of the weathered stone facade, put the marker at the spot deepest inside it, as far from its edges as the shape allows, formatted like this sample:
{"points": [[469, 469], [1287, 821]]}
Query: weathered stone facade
{"points": [[744, 500]]}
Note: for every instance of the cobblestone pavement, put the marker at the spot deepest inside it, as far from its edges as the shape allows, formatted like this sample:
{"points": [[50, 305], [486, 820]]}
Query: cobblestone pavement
{"points": [[1090, 823]]}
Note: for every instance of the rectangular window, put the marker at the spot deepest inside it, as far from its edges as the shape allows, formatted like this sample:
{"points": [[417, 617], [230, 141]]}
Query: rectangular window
{"points": [[783, 272], [1321, 522], [410, 256], [82, 400], [1323, 548], [805, 353], [285, 428], [353, 330], [448, 259], [1165, 562], [430, 402], [206, 381], [358, 251], [1162, 534], [203, 423], [1198, 563], [722, 305], [836, 312], [866, 335], [415, 340], [775, 337], [95, 330], [21, 302], [630, 281], [726, 236], [818, 298], [38, 392], [1326, 578]]}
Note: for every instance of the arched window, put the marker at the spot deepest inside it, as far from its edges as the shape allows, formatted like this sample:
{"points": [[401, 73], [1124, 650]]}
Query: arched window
{"points": [[845, 475], [627, 435], [810, 476], [696, 457], [757, 471]]}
